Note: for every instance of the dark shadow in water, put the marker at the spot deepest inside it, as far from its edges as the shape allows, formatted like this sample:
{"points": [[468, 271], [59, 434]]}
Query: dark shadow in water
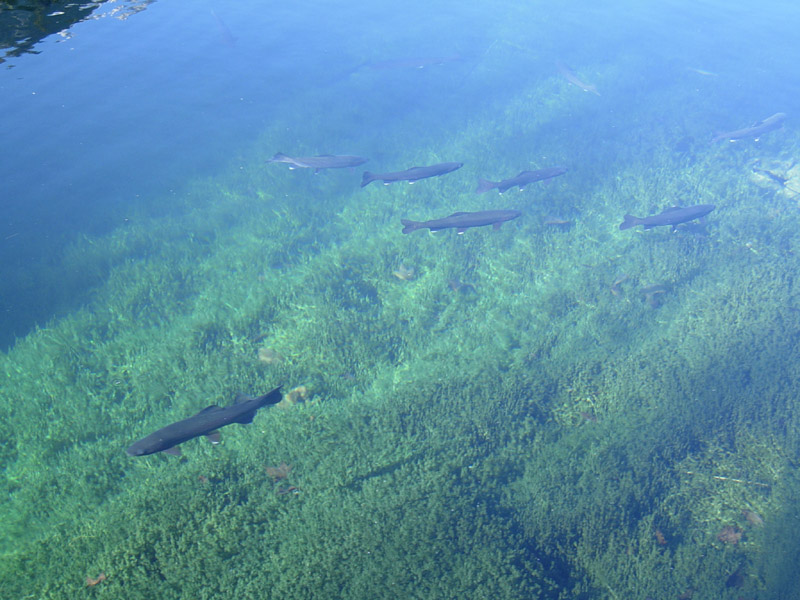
{"points": [[25, 23]]}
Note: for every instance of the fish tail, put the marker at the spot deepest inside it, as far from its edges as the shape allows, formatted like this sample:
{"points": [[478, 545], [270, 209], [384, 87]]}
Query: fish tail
{"points": [[409, 226], [272, 397], [278, 157], [484, 185], [629, 221], [367, 178]]}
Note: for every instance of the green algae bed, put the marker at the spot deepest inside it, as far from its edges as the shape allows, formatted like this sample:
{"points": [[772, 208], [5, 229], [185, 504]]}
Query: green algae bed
{"points": [[514, 419]]}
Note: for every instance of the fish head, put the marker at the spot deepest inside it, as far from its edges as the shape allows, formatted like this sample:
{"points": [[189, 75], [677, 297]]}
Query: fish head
{"points": [[135, 450]]}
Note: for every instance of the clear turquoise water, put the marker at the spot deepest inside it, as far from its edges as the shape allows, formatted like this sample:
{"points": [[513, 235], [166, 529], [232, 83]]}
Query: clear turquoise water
{"points": [[553, 411]]}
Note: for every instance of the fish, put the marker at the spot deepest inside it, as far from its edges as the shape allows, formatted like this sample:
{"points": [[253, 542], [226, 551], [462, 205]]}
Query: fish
{"points": [[672, 216], [324, 161], [206, 423], [570, 76], [521, 180], [224, 33], [703, 72], [461, 221], [411, 175], [755, 131]]}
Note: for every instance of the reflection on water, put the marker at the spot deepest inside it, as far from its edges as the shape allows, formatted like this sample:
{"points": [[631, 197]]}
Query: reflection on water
{"points": [[24, 24]]}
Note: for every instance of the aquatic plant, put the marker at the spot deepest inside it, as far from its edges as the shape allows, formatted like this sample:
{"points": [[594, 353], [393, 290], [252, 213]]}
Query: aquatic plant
{"points": [[513, 421]]}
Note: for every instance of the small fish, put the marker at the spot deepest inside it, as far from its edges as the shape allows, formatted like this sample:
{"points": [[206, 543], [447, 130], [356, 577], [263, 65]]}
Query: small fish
{"points": [[753, 517], [614, 287], [521, 180], [776, 177], [206, 422], [570, 76], [411, 175], [557, 222], [461, 221], [653, 294], [672, 216], [703, 72], [755, 131], [324, 161]]}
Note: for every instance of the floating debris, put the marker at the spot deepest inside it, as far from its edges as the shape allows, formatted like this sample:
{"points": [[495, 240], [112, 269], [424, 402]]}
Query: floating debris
{"points": [[660, 539], [461, 287], [730, 534], [269, 356], [299, 394], [404, 273], [93, 581], [279, 472]]}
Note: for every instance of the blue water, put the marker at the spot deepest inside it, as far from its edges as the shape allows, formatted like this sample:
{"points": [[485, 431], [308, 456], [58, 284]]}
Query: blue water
{"points": [[122, 112], [113, 123]]}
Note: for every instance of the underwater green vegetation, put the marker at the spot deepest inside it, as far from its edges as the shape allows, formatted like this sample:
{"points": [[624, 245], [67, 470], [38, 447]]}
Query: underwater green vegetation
{"points": [[543, 411]]}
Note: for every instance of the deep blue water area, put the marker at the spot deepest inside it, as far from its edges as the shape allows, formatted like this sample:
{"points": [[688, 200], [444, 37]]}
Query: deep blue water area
{"points": [[110, 119]]}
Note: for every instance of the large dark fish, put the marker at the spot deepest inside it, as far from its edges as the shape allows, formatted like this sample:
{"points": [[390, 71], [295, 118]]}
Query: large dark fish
{"points": [[463, 221], [324, 161], [672, 216], [755, 131], [520, 180], [411, 175], [570, 76], [206, 422]]}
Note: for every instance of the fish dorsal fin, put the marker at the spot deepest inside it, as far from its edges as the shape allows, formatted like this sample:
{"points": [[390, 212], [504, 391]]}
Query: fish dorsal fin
{"points": [[672, 208], [326, 155], [521, 173], [208, 409], [242, 398], [458, 214]]}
